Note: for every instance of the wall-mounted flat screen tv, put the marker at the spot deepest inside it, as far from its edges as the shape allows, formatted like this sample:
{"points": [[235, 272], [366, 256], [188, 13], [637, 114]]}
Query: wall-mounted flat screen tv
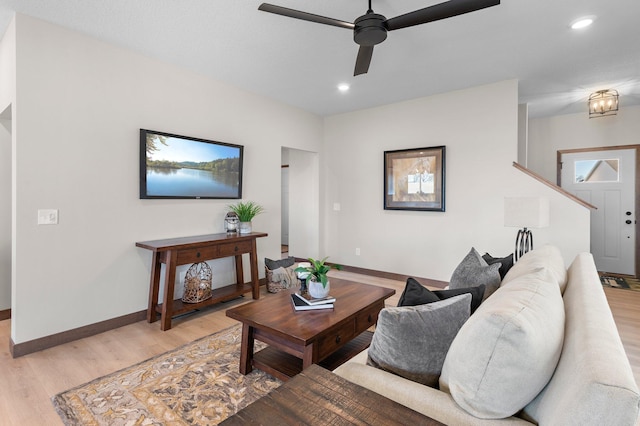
{"points": [[174, 166]]}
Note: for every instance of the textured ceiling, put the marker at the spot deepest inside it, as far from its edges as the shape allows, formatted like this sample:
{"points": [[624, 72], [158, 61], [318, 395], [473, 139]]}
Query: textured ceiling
{"points": [[301, 63]]}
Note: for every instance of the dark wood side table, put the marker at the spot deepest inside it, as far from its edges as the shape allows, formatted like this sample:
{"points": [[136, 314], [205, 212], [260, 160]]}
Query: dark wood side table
{"points": [[184, 250], [319, 397], [298, 339]]}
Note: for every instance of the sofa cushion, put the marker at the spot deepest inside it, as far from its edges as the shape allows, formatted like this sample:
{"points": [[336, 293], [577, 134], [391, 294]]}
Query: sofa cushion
{"points": [[593, 383], [474, 271], [416, 294], [548, 257], [506, 263], [508, 350], [412, 341], [423, 399]]}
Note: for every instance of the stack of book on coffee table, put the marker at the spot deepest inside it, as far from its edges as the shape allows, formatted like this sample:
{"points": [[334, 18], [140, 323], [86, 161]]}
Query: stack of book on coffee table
{"points": [[304, 302]]}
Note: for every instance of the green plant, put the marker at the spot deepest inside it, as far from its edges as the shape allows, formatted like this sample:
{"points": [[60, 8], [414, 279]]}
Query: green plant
{"points": [[318, 270], [246, 211]]}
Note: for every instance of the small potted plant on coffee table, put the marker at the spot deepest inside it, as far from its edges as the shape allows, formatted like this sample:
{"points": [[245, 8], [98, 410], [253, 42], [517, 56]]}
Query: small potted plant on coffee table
{"points": [[317, 281]]}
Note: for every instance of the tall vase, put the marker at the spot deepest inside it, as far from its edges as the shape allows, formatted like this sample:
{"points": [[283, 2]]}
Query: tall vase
{"points": [[316, 290], [245, 227]]}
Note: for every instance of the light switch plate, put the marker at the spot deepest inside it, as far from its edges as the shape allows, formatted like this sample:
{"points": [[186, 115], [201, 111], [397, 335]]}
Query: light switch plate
{"points": [[48, 217]]}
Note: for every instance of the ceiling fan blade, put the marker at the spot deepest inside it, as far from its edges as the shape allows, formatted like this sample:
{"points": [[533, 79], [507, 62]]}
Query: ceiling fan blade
{"points": [[305, 16], [438, 12], [363, 60]]}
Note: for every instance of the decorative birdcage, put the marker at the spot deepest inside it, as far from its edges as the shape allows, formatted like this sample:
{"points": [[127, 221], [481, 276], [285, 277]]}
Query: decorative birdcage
{"points": [[197, 283]]}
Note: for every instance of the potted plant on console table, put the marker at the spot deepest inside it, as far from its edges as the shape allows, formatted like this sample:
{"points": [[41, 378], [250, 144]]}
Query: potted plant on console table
{"points": [[246, 211], [317, 281]]}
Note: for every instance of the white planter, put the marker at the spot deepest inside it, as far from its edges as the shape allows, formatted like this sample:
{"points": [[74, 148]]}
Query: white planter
{"points": [[245, 227], [316, 290]]}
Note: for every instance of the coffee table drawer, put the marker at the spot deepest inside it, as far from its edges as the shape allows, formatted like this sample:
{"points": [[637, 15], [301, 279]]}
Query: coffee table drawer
{"points": [[333, 340], [368, 317]]}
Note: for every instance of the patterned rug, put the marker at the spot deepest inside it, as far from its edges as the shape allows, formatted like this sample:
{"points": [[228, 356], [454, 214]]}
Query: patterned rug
{"points": [[196, 384], [620, 282]]}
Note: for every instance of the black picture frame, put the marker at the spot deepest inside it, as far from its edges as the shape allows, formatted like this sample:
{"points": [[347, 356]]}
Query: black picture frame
{"points": [[414, 179]]}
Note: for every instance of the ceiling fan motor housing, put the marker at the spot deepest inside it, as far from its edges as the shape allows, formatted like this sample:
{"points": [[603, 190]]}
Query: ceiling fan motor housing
{"points": [[370, 29]]}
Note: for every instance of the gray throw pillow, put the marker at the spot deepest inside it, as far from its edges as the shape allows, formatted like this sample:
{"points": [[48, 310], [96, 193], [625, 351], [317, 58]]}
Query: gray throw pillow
{"points": [[505, 262], [412, 341], [281, 263], [474, 271]]}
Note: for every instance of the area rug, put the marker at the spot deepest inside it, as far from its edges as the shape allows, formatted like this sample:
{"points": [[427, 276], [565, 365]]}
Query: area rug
{"points": [[196, 384], [620, 282]]}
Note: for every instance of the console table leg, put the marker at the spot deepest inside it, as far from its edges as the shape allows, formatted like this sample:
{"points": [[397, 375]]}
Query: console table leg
{"points": [[239, 270], [253, 261], [154, 287], [246, 349], [169, 284]]}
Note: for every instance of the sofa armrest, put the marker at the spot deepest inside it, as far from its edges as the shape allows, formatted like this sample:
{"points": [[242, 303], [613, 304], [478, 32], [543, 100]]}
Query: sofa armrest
{"points": [[423, 399], [593, 383]]}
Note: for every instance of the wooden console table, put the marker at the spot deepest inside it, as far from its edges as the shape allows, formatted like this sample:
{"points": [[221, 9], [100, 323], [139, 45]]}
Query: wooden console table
{"points": [[180, 251]]}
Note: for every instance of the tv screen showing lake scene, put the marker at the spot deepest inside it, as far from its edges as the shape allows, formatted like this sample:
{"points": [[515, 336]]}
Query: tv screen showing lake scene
{"points": [[173, 166]]}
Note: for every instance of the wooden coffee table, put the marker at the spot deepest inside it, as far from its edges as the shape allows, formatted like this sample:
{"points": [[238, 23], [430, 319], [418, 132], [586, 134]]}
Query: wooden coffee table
{"points": [[298, 339], [319, 397]]}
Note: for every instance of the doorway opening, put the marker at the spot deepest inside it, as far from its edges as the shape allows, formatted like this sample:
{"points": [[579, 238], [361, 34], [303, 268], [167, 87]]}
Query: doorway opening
{"points": [[300, 189]]}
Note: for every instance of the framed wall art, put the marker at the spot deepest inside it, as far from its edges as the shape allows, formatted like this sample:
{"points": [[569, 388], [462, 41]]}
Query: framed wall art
{"points": [[414, 179]]}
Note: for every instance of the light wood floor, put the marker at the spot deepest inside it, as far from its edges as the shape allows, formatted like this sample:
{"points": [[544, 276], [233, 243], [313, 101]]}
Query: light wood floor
{"points": [[28, 383]]}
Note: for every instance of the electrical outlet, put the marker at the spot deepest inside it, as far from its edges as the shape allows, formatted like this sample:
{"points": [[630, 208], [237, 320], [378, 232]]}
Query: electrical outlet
{"points": [[336, 207], [357, 251], [47, 217]]}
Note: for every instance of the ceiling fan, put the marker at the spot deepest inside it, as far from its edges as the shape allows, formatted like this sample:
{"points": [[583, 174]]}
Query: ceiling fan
{"points": [[371, 28]]}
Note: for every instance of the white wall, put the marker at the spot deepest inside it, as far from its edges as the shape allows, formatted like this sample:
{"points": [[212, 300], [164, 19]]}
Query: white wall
{"points": [[7, 98], [284, 202], [523, 133], [80, 104], [304, 203], [481, 145], [5, 213], [8, 66], [549, 134]]}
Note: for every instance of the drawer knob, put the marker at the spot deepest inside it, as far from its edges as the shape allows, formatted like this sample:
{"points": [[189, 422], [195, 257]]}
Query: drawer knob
{"points": [[236, 248], [198, 254], [369, 318], [338, 338]]}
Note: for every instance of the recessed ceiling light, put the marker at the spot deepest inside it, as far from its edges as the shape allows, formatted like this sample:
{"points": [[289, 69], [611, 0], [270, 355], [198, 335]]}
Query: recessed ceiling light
{"points": [[343, 87], [582, 23]]}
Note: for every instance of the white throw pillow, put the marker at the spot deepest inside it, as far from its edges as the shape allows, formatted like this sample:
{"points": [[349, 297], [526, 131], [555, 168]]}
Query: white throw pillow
{"points": [[507, 351]]}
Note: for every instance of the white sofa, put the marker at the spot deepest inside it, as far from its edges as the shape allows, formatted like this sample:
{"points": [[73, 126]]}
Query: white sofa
{"points": [[592, 383]]}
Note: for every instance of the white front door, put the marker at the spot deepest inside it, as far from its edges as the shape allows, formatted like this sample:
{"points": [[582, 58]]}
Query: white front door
{"points": [[606, 179]]}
